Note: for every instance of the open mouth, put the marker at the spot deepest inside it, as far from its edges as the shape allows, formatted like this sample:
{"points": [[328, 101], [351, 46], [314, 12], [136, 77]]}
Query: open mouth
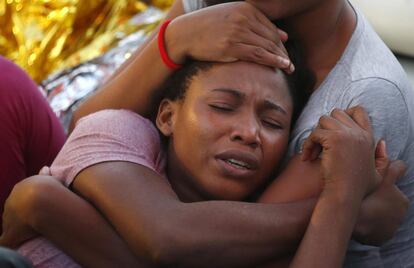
{"points": [[238, 164]]}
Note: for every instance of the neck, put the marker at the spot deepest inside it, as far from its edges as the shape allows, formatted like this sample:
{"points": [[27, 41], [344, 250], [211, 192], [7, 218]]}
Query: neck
{"points": [[184, 190], [324, 31], [180, 182]]}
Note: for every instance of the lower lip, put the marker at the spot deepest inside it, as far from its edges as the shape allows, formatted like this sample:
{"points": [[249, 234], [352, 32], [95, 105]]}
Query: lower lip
{"points": [[229, 170]]}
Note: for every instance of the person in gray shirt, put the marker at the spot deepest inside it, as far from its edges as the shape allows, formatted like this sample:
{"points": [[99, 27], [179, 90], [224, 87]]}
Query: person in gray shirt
{"points": [[369, 75]]}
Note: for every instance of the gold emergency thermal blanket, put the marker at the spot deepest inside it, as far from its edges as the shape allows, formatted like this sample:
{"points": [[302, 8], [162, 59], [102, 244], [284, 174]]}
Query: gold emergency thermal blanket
{"points": [[46, 36]]}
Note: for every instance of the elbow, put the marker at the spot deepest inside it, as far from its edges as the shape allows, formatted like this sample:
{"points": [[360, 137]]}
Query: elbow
{"points": [[164, 249], [171, 244], [30, 199], [161, 255]]}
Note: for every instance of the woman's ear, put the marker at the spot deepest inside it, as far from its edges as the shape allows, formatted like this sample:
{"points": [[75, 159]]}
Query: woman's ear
{"points": [[165, 117]]}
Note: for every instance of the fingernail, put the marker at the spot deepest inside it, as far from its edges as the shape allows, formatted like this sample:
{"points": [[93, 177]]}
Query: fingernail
{"points": [[285, 62], [291, 68], [44, 171], [385, 145]]}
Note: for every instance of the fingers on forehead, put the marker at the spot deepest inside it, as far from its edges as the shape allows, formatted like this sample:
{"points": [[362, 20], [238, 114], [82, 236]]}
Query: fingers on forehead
{"points": [[265, 21]]}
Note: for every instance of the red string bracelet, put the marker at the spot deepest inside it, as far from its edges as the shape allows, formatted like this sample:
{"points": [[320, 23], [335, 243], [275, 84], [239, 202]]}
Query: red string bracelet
{"points": [[163, 51]]}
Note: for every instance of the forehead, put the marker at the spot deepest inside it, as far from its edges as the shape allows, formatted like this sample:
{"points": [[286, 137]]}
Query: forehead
{"points": [[250, 78]]}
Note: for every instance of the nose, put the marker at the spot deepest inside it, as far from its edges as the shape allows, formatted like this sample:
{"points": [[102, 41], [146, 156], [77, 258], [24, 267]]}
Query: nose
{"points": [[247, 131]]}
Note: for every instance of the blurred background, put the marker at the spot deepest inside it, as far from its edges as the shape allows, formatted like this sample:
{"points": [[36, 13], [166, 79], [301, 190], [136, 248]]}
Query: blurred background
{"points": [[70, 47]]}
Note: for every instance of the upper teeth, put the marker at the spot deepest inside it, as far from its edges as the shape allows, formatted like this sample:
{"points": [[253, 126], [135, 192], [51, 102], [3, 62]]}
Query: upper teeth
{"points": [[238, 163]]}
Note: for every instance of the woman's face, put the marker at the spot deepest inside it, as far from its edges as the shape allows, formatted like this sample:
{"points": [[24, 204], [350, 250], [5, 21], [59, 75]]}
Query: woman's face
{"points": [[229, 133]]}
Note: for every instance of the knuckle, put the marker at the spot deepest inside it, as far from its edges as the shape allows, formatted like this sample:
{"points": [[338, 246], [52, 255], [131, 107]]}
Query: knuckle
{"points": [[225, 44], [238, 18], [258, 53], [364, 141], [233, 31], [272, 46], [336, 112], [323, 120], [247, 7], [359, 109], [365, 138]]}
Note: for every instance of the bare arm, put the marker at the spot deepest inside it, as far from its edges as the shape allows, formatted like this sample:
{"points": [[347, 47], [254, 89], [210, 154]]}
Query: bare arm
{"points": [[328, 233], [231, 32], [44, 205], [387, 204], [153, 221], [248, 228], [350, 173], [299, 180]]}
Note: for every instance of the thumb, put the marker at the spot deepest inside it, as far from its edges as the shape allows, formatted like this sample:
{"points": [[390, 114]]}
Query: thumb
{"points": [[381, 149], [396, 171], [45, 171], [382, 161]]}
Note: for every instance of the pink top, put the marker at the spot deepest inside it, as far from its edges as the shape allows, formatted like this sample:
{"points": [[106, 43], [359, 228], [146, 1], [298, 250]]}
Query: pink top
{"points": [[110, 135]]}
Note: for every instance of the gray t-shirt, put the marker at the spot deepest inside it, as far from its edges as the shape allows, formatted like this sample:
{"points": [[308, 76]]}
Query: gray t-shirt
{"points": [[369, 75]]}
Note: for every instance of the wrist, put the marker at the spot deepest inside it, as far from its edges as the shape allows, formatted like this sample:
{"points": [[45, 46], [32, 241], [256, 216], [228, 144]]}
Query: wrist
{"points": [[175, 44], [362, 228], [342, 189], [342, 196]]}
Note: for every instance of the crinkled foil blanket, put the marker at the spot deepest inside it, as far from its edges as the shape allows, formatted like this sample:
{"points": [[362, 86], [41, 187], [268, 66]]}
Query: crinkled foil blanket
{"points": [[71, 47]]}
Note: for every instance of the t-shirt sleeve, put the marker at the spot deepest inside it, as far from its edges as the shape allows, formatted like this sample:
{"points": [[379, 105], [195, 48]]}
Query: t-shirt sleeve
{"points": [[387, 109], [193, 5], [110, 135]]}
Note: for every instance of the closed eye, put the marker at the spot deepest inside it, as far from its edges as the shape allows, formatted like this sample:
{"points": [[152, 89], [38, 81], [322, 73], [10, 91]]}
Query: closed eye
{"points": [[271, 124], [222, 107]]}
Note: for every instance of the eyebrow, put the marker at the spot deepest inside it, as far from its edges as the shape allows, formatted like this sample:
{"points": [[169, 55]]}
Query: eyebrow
{"points": [[274, 106], [233, 92]]}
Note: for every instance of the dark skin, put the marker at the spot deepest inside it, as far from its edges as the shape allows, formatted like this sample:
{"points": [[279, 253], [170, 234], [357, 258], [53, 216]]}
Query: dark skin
{"points": [[323, 28], [206, 132], [162, 216], [112, 94]]}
